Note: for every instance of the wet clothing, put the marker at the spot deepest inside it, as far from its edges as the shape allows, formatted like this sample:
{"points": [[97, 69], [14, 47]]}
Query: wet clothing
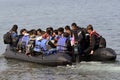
{"points": [[61, 45], [45, 36], [64, 44], [19, 45], [79, 39], [24, 41], [94, 42], [31, 44], [14, 37], [41, 47], [37, 47]]}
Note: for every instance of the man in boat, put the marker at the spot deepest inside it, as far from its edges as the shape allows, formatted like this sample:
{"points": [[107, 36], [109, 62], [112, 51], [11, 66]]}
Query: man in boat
{"points": [[60, 31], [94, 40], [79, 43], [11, 37]]}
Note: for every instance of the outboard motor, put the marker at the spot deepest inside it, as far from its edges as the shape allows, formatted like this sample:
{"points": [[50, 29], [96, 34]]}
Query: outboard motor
{"points": [[104, 54]]}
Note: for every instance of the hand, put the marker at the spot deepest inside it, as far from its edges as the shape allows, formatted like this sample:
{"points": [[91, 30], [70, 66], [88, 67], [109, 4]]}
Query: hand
{"points": [[91, 52]]}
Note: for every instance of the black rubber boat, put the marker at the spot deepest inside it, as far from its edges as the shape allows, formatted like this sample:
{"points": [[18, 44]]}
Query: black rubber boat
{"points": [[101, 54], [50, 60], [104, 54]]}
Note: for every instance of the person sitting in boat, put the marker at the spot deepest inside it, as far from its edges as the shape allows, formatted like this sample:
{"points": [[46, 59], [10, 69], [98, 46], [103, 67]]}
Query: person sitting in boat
{"points": [[14, 37], [37, 47], [55, 37], [39, 33], [31, 41], [41, 46], [23, 41], [94, 40], [19, 45], [63, 44], [68, 30], [47, 34], [53, 41], [60, 32], [50, 29]]}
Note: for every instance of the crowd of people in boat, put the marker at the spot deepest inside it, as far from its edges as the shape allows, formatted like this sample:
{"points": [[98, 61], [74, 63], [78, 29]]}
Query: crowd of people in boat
{"points": [[68, 39]]}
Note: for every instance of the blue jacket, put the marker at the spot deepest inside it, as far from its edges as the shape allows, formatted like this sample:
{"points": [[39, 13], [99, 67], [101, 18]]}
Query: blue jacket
{"points": [[61, 44], [37, 47], [25, 40], [40, 45]]}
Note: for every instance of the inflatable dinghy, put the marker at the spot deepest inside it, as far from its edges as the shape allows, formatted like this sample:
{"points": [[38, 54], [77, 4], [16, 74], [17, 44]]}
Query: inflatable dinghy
{"points": [[49, 60], [101, 54]]}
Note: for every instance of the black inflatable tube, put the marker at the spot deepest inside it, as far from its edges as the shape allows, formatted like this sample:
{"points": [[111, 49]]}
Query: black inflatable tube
{"points": [[101, 54]]}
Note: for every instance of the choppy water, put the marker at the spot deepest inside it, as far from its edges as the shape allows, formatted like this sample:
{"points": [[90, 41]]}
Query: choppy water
{"points": [[104, 15]]}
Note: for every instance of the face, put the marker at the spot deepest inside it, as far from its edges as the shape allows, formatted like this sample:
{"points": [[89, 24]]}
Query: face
{"points": [[38, 33], [89, 31], [59, 33], [73, 28], [24, 32], [53, 34], [68, 31]]}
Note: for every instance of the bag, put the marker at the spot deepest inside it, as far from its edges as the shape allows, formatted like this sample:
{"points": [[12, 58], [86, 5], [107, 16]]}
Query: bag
{"points": [[102, 42], [7, 38]]}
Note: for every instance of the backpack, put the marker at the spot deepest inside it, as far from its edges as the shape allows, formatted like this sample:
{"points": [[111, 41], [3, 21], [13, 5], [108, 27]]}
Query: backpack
{"points": [[7, 38], [102, 42]]}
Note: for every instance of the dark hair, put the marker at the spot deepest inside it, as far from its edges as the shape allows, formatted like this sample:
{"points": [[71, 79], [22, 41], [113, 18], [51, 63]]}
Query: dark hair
{"points": [[48, 31], [61, 29], [90, 27], [43, 32], [50, 28], [22, 30], [67, 27], [55, 31], [65, 34], [30, 32], [74, 24], [14, 28], [39, 30], [33, 31]]}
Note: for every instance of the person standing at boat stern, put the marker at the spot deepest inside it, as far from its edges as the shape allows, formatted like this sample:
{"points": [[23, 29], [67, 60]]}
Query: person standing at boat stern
{"points": [[94, 40], [78, 41]]}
